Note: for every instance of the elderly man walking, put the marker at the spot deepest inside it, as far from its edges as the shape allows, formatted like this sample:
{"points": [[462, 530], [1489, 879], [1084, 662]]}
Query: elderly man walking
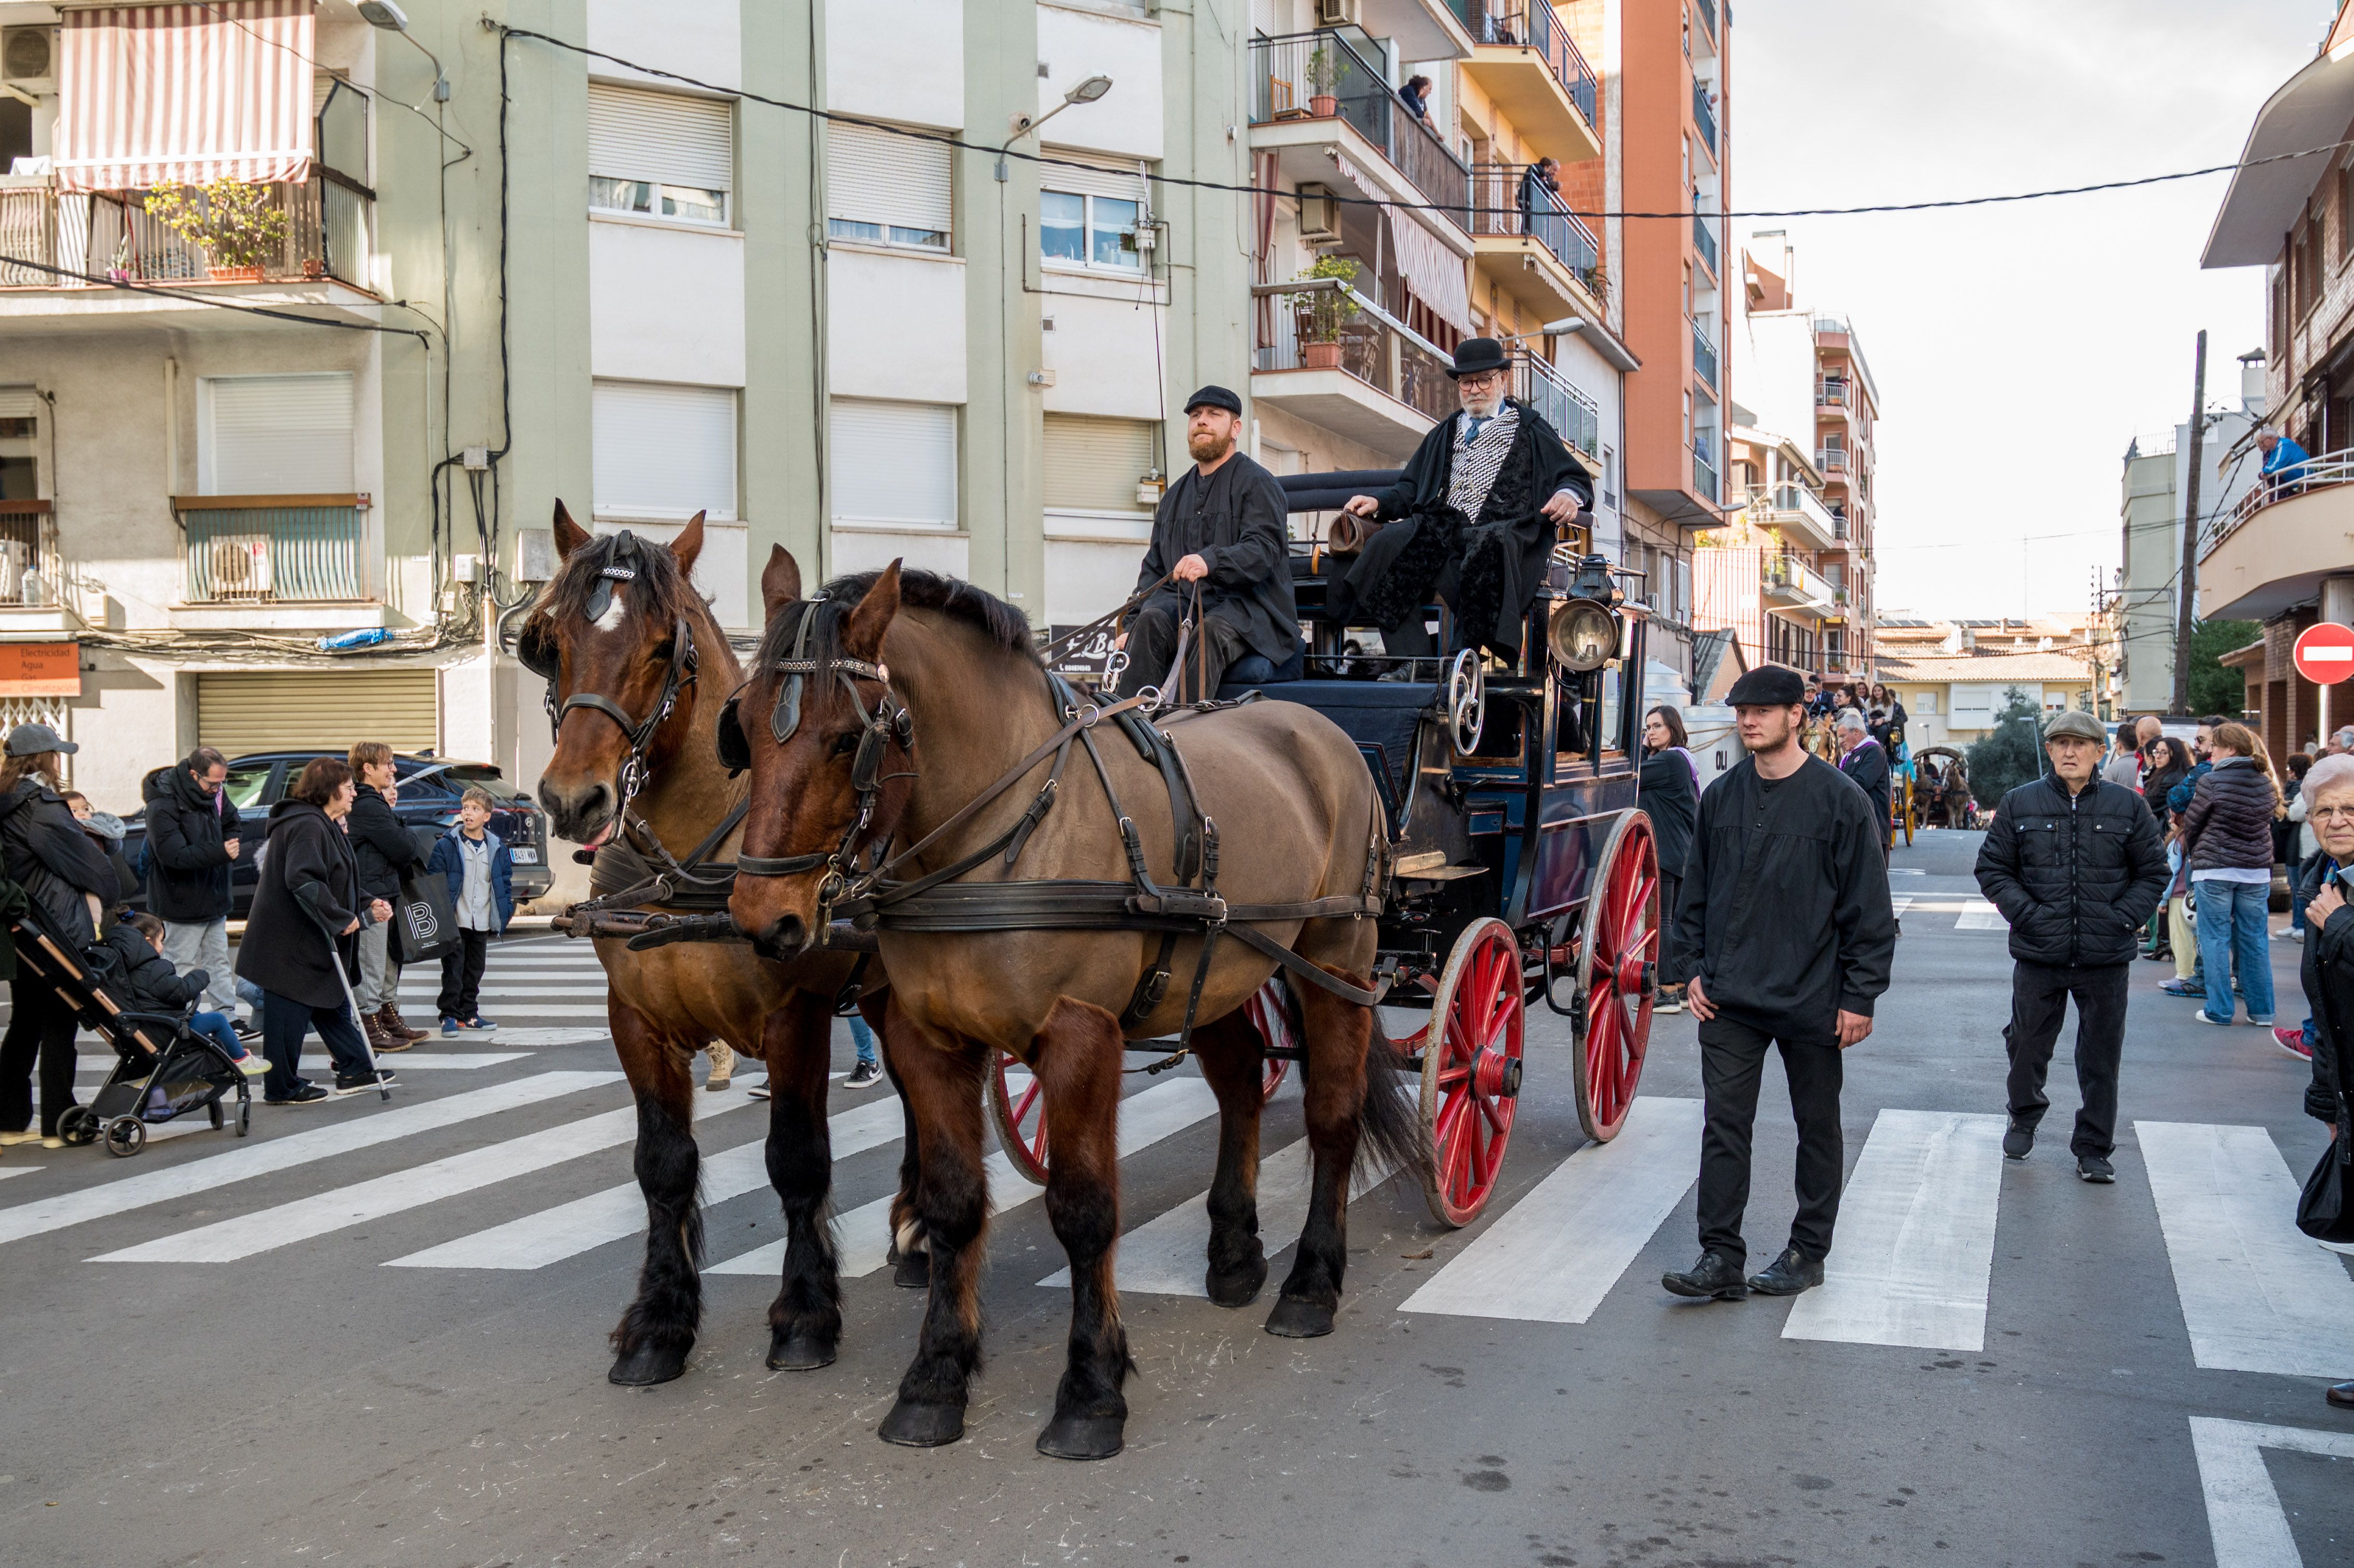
{"points": [[2075, 863], [1862, 759], [1784, 931]]}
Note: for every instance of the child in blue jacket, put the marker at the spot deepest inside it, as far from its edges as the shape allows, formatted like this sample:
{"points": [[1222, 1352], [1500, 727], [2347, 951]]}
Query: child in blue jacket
{"points": [[480, 876]]}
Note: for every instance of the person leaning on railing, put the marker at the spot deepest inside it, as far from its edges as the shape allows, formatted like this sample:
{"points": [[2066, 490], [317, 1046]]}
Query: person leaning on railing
{"points": [[2285, 464]]}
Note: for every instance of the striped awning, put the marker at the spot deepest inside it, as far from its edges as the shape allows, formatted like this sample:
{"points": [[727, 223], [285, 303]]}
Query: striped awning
{"points": [[184, 94]]}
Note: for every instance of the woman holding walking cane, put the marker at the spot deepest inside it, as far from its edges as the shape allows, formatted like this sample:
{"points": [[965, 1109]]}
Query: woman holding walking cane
{"points": [[300, 943]]}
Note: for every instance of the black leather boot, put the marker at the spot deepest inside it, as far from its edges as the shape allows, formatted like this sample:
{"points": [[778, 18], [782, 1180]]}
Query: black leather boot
{"points": [[1789, 1273], [1714, 1277]]}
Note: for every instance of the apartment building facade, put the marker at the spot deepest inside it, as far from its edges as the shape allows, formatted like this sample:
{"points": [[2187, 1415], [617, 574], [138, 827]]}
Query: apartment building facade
{"points": [[2281, 553]]}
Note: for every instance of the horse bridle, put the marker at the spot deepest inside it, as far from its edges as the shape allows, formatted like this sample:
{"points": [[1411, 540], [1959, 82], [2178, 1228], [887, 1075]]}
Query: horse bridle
{"points": [[886, 724], [618, 556]]}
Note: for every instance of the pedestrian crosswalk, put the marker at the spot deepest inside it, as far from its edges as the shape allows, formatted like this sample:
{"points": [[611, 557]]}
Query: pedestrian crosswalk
{"points": [[547, 979]]}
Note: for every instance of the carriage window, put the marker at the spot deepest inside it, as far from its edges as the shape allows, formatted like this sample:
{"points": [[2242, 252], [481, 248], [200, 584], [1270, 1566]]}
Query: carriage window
{"points": [[1609, 711]]}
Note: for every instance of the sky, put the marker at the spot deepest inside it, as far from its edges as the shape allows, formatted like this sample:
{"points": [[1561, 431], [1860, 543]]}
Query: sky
{"points": [[2017, 348]]}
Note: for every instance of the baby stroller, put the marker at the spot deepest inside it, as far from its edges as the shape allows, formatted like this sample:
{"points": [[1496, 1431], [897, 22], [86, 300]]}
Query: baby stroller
{"points": [[162, 1070]]}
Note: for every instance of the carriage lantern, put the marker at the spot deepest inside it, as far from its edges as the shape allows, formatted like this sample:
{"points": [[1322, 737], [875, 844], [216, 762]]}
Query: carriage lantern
{"points": [[1584, 631]]}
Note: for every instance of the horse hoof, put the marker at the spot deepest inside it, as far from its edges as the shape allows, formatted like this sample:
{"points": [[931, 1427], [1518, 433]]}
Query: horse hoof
{"points": [[1237, 1288], [797, 1350], [913, 1271], [1083, 1437], [912, 1425], [1295, 1320], [647, 1365]]}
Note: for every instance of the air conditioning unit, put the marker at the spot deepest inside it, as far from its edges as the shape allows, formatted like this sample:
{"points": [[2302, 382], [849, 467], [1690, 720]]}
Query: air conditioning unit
{"points": [[1319, 216], [27, 56], [239, 568], [1335, 13]]}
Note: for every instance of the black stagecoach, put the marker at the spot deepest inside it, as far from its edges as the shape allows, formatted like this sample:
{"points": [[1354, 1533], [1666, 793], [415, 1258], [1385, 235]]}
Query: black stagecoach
{"points": [[1523, 870]]}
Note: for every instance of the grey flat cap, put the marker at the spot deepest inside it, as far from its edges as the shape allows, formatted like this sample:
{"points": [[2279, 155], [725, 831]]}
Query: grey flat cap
{"points": [[2083, 725]]}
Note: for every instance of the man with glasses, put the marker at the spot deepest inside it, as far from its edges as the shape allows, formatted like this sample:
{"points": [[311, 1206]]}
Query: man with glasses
{"points": [[1482, 502], [2075, 864], [193, 840]]}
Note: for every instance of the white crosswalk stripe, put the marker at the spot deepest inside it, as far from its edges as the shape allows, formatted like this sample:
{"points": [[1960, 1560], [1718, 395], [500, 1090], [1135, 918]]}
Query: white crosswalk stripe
{"points": [[8, 1170], [341, 1136], [618, 1212], [1980, 915], [306, 1218]]}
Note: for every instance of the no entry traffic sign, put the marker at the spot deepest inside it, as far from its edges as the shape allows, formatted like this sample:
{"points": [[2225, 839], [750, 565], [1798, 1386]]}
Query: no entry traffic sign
{"points": [[2325, 653]]}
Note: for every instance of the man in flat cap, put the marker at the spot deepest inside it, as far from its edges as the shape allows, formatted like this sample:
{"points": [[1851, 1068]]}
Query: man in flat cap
{"points": [[1219, 534], [1784, 930], [2075, 864], [1482, 501]]}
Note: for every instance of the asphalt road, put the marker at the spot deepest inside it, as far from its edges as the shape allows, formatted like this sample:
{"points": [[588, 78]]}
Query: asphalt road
{"points": [[383, 1342]]}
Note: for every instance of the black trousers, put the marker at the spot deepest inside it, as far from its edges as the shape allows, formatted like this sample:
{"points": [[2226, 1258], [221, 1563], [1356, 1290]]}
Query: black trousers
{"points": [[1152, 644], [41, 1025], [284, 1023], [2039, 1003], [461, 976], [1732, 1058], [1670, 888]]}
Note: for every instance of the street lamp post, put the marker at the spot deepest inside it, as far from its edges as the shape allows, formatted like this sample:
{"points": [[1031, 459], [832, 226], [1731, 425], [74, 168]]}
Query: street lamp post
{"points": [[1086, 92]]}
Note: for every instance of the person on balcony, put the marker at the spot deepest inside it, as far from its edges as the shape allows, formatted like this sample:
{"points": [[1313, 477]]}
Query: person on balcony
{"points": [[2285, 464], [1219, 544], [1540, 191], [1484, 498], [1416, 96]]}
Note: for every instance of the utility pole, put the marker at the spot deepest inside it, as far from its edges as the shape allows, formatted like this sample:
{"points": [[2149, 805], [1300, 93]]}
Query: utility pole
{"points": [[2187, 580]]}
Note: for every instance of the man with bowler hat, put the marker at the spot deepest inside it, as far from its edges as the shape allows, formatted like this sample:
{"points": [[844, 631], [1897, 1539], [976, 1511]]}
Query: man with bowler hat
{"points": [[2075, 864], [1482, 499], [1220, 539], [1784, 927]]}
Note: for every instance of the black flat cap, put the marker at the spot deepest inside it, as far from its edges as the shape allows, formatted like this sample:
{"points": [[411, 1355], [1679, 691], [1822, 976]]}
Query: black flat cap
{"points": [[1214, 398], [1767, 686]]}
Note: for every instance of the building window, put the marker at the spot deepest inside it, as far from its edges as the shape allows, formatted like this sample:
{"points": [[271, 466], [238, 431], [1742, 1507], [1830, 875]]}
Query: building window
{"points": [[1097, 465], [275, 435], [894, 464], [1923, 701], [884, 188], [2346, 212], [659, 154], [1087, 217], [20, 446], [663, 450]]}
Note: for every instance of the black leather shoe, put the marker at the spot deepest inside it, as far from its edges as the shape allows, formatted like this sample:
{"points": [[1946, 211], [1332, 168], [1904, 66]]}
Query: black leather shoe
{"points": [[2016, 1141], [2341, 1394], [1789, 1273], [2093, 1169], [1714, 1277]]}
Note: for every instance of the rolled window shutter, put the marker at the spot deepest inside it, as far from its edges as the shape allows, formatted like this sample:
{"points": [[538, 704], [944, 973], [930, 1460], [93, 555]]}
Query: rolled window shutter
{"points": [[1092, 465], [894, 463], [20, 403], [1083, 174], [667, 137], [876, 176], [664, 451], [289, 710], [279, 435]]}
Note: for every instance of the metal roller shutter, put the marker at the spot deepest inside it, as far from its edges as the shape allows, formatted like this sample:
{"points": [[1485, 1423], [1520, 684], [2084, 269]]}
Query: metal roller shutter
{"points": [[875, 177], [634, 134], [1094, 176], [275, 435], [895, 462], [289, 710], [663, 450], [1092, 465], [20, 403]]}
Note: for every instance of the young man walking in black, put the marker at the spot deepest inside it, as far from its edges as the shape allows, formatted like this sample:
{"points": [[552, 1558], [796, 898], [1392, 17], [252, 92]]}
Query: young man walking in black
{"points": [[1785, 927]]}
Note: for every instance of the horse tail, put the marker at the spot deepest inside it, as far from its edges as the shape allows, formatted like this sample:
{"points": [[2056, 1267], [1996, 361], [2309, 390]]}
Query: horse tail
{"points": [[1389, 1121]]}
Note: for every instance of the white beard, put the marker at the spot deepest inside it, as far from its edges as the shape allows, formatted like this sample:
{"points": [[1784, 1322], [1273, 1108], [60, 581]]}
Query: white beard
{"points": [[1482, 408]]}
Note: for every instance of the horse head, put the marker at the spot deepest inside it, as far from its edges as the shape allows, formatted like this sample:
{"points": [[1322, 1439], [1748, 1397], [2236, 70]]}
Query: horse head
{"points": [[829, 746], [618, 634]]}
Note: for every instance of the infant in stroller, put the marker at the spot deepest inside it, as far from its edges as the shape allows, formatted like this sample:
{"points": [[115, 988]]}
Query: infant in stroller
{"points": [[144, 981]]}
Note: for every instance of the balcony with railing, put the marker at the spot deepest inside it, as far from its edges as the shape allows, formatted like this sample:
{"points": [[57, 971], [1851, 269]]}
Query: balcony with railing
{"points": [[275, 549], [2271, 548], [1831, 460], [1343, 363], [1704, 241], [1704, 475], [1328, 76], [1796, 509], [1565, 408], [1790, 582], [1525, 60], [1703, 355], [84, 240], [1703, 113], [32, 575], [1513, 215], [1831, 392]]}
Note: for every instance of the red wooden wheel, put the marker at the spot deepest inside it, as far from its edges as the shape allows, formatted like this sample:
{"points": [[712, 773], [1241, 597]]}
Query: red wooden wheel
{"points": [[1616, 975], [1471, 1071], [1269, 1011], [1021, 1114]]}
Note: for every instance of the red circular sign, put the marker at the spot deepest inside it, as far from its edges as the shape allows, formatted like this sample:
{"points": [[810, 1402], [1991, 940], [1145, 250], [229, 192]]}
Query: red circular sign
{"points": [[2325, 652]]}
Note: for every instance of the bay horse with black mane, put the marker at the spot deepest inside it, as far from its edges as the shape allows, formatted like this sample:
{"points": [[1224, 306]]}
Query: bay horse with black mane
{"points": [[1035, 903], [637, 667]]}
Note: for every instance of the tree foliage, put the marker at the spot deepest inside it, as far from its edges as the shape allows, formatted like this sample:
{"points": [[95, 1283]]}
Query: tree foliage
{"points": [[2216, 687], [2008, 755]]}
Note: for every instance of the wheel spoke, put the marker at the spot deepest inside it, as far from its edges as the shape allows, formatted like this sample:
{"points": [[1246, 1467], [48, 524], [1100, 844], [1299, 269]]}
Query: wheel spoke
{"points": [[1450, 1076]]}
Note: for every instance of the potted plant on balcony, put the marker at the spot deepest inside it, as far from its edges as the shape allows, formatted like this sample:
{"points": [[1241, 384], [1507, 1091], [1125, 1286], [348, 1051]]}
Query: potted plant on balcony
{"points": [[1323, 75], [1324, 314], [239, 226]]}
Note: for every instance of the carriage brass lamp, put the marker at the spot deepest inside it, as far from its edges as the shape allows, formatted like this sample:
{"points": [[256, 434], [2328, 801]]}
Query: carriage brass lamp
{"points": [[1584, 633]]}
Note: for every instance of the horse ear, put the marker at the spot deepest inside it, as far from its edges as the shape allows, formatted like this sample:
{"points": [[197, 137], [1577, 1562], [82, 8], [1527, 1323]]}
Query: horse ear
{"points": [[688, 545], [569, 535], [780, 581], [861, 632]]}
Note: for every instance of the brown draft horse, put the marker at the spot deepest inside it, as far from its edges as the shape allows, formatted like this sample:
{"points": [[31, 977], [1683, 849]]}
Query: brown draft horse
{"points": [[612, 642], [1296, 805]]}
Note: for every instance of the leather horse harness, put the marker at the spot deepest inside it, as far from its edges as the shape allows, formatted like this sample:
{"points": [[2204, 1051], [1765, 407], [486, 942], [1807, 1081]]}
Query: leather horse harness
{"points": [[859, 885]]}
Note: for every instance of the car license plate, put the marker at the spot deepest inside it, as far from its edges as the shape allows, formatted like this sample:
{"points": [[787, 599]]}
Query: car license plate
{"points": [[525, 856]]}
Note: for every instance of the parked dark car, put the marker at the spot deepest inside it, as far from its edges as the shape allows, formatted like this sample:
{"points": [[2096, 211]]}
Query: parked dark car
{"points": [[429, 790]]}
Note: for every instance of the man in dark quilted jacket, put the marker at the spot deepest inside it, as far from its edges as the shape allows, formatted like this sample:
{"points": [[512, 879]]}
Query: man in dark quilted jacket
{"points": [[2076, 865]]}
